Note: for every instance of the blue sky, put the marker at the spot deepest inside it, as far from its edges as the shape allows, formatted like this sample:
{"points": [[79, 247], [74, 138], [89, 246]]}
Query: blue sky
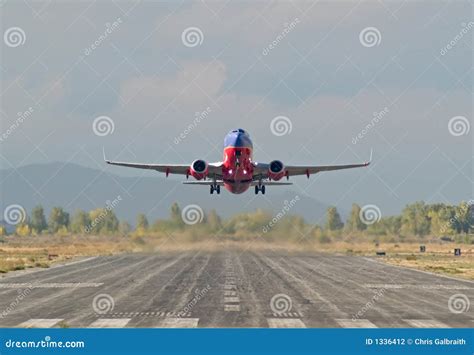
{"points": [[319, 74]]}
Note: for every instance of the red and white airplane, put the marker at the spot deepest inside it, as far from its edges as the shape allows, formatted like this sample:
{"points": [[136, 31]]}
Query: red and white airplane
{"points": [[238, 171]]}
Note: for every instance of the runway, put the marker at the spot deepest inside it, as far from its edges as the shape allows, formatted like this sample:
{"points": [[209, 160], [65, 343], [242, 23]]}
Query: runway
{"points": [[233, 289]]}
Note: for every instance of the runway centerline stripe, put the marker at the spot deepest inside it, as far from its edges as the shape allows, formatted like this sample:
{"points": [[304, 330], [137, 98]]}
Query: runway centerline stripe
{"points": [[110, 323], [426, 323], [285, 323], [178, 323], [356, 323], [51, 285], [40, 323]]}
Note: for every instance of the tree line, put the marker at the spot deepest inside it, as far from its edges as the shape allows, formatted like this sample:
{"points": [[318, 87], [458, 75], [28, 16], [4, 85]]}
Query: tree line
{"points": [[416, 220]]}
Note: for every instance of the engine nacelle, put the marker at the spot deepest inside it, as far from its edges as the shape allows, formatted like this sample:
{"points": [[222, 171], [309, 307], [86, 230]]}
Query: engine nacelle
{"points": [[199, 169], [276, 170]]}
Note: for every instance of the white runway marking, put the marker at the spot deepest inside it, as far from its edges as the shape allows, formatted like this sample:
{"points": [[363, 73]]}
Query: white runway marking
{"points": [[179, 323], [231, 299], [424, 287], [425, 323], [356, 323], [230, 287], [285, 323], [39, 323], [232, 308], [51, 285], [110, 323], [230, 293]]}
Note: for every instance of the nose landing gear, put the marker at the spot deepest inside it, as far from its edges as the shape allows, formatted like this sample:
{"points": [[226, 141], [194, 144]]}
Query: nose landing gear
{"points": [[259, 188], [215, 188]]}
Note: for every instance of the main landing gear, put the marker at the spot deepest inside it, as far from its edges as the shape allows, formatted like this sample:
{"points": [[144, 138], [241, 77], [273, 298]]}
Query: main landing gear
{"points": [[215, 188], [259, 188]]}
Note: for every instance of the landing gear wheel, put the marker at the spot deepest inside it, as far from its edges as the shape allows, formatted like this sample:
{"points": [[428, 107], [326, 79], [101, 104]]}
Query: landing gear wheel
{"points": [[256, 190], [218, 189], [212, 190], [263, 189]]}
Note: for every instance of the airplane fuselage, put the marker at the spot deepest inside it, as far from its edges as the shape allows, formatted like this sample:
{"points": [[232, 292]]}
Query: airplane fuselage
{"points": [[237, 168]]}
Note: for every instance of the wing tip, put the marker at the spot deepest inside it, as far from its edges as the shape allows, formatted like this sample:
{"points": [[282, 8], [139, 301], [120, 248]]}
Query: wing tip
{"points": [[370, 158]]}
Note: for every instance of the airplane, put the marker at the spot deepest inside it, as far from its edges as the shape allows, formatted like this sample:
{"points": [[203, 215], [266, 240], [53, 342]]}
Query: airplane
{"points": [[238, 171]]}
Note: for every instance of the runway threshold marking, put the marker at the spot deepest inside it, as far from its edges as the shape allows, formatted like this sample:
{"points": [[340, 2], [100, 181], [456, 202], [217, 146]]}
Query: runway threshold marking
{"points": [[231, 297], [285, 323], [40, 323], [178, 323], [425, 323], [110, 323], [51, 285], [424, 287], [356, 323]]}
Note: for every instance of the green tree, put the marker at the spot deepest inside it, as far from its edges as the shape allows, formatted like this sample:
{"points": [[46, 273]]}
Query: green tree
{"points": [[176, 219], [80, 221], [103, 221], [38, 220], [142, 221], [58, 219], [415, 220], [333, 221], [124, 228], [354, 223], [214, 221]]}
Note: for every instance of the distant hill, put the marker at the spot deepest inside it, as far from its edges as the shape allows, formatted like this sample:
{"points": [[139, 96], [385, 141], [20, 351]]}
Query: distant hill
{"points": [[76, 187]]}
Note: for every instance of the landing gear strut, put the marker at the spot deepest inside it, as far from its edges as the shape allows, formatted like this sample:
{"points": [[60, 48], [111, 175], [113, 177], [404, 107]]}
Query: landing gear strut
{"points": [[215, 188], [259, 188]]}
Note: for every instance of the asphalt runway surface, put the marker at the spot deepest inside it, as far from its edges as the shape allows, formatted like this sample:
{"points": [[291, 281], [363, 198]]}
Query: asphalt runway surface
{"points": [[233, 289]]}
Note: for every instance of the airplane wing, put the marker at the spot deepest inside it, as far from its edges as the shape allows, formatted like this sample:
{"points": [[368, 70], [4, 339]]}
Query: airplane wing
{"points": [[180, 169], [261, 170]]}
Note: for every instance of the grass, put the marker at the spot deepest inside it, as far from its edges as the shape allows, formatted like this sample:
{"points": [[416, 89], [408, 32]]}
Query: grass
{"points": [[20, 253]]}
